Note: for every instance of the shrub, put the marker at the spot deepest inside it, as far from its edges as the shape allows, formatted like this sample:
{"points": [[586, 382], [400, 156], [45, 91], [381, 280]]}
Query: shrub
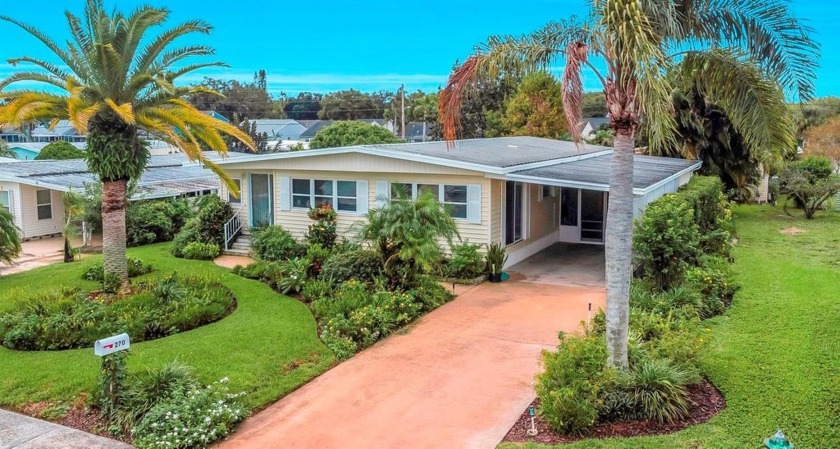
{"points": [[191, 418], [495, 258], [658, 391], [155, 221], [72, 319], [136, 267], [712, 213], [316, 289], [811, 183], [274, 244], [60, 150], [316, 255], [292, 275], [268, 272], [143, 391], [206, 227], [573, 382], [323, 231], [715, 280], [362, 265], [201, 251], [430, 294], [466, 262], [666, 241]]}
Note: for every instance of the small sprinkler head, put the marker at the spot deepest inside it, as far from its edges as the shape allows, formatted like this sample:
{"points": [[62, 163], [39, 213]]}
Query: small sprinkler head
{"points": [[778, 441]]}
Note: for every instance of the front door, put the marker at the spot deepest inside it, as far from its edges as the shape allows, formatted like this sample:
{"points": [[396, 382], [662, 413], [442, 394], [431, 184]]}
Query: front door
{"points": [[592, 212], [261, 202]]}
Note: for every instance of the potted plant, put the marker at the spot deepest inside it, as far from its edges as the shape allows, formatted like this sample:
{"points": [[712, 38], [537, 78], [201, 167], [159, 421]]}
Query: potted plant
{"points": [[496, 258]]}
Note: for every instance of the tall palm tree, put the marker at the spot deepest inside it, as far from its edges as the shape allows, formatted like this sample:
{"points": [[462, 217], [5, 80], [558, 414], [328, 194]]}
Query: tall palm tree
{"points": [[111, 81], [715, 43]]}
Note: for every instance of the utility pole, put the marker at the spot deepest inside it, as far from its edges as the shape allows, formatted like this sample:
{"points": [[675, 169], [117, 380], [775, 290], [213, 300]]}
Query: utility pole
{"points": [[402, 93]]}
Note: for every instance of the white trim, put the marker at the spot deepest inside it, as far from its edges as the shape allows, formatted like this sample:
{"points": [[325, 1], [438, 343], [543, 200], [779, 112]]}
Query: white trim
{"points": [[335, 196], [39, 205]]}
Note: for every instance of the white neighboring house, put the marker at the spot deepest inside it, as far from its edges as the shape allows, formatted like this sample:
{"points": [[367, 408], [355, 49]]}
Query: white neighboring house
{"points": [[591, 125], [278, 129], [32, 190]]}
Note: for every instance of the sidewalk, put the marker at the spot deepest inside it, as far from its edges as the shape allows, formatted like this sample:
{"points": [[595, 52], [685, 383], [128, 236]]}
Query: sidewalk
{"points": [[22, 432]]}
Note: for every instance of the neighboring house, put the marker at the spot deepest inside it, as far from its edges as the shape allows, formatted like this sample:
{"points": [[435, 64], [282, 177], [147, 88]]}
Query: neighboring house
{"points": [[312, 128], [524, 192], [279, 129], [28, 150], [63, 130], [216, 116], [592, 124], [417, 132], [387, 124], [32, 190]]}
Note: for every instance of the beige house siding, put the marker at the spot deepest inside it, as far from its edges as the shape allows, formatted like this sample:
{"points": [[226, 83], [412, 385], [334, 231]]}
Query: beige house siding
{"points": [[496, 187], [343, 167], [542, 225], [14, 201], [30, 224]]}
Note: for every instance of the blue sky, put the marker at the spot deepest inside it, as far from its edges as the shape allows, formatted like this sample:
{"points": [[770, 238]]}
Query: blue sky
{"points": [[364, 44]]}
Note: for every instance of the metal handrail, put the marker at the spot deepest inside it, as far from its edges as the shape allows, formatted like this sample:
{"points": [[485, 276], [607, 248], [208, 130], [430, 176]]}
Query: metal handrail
{"points": [[233, 227]]}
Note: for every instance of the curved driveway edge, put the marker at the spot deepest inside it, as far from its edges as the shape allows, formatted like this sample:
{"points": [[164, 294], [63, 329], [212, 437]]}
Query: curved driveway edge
{"points": [[458, 378]]}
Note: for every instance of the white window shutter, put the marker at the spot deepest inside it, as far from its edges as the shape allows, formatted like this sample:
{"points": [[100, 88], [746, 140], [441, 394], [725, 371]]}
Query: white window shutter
{"points": [[474, 203], [285, 193], [362, 195], [382, 193]]}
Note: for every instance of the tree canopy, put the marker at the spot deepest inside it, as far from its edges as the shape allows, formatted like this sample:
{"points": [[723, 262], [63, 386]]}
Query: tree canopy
{"points": [[60, 150], [824, 140], [345, 133], [536, 108], [237, 99]]}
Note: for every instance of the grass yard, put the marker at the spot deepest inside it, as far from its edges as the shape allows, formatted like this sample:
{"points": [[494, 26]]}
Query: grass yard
{"points": [[267, 347], [775, 354]]}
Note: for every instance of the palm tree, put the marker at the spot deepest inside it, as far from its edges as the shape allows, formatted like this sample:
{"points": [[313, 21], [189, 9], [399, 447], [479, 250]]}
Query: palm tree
{"points": [[112, 81], [714, 43], [9, 237]]}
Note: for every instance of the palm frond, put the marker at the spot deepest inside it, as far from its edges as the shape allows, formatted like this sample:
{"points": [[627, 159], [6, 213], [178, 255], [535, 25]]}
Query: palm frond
{"points": [[755, 104], [576, 54]]}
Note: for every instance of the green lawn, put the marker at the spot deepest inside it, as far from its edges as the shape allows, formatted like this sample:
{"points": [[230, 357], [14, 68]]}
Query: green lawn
{"points": [[776, 352], [267, 347]]}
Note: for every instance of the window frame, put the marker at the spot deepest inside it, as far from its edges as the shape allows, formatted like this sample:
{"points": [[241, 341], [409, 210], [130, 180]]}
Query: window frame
{"points": [[334, 196], [441, 194], [232, 199], [39, 205]]}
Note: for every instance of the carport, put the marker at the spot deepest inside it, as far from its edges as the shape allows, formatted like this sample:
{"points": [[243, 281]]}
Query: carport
{"points": [[563, 264]]}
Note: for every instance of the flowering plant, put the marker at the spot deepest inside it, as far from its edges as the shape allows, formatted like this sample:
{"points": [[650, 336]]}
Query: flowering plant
{"points": [[193, 418]]}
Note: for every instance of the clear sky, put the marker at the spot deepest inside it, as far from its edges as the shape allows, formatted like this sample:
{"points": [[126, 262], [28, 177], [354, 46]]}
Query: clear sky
{"points": [[368, 45]]}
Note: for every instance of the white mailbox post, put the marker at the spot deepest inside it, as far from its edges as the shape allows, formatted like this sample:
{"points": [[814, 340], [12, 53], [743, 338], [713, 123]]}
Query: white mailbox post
{"points": [[111, 345]]}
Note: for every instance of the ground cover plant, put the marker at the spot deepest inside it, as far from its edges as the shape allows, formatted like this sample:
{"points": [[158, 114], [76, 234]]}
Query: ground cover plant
{"points": [[72, 318], [269, 343], [774, 353]]}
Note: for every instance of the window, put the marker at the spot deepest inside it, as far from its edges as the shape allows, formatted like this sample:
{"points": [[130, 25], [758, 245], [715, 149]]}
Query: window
{"points": [[453, 197], [5, 201], [308, 193], [455, 200], [231, 198], [514, 212], [546, 192], [43, 199]]}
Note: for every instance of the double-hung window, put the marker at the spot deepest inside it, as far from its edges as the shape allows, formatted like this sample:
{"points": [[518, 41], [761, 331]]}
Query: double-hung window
{"points": [[43, 200], [453, 197], [309, 193]]}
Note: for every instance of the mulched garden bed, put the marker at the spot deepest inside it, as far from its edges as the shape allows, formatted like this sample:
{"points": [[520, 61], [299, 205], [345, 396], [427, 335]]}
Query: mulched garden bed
{"points": [[707, 401]]}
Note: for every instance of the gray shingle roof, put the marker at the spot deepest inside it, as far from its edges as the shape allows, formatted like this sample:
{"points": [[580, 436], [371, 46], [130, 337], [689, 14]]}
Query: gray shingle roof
{"points": [[314, 127], [501, 152], [647, 170]]}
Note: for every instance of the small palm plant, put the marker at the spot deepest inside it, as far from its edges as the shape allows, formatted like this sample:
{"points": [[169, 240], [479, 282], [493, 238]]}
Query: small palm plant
{"points": [[112, 81], [407, 234]]}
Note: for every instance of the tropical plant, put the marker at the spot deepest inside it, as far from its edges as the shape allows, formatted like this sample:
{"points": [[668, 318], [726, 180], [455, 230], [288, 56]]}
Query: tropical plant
{"points": [[5, 151], [113, 80], [9, 237], [74, 207], [496, 258], [406, 232], [60, 150], [735, 52]]}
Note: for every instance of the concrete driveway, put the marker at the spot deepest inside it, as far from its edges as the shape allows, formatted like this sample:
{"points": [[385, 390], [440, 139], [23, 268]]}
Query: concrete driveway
{"points": [[37, 253], [459, 378], [23, 432]]}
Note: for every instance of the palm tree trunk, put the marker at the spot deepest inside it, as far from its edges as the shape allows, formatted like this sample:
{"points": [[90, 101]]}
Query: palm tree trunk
{"points": [[619, 247], [113, 230]]}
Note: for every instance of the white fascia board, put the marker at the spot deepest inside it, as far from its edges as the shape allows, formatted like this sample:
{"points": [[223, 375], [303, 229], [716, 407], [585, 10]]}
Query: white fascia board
{"points": [[553, 182], [676, 175]]}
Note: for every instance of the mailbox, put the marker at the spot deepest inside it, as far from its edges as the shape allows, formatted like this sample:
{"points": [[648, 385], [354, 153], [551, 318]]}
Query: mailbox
{"points": [[111, 345]]}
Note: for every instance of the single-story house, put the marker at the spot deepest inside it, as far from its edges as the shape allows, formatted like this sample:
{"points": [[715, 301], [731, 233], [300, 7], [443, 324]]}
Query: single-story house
{"points": [[63, 130], [591, 125], [524, 192], [32, 190]]}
